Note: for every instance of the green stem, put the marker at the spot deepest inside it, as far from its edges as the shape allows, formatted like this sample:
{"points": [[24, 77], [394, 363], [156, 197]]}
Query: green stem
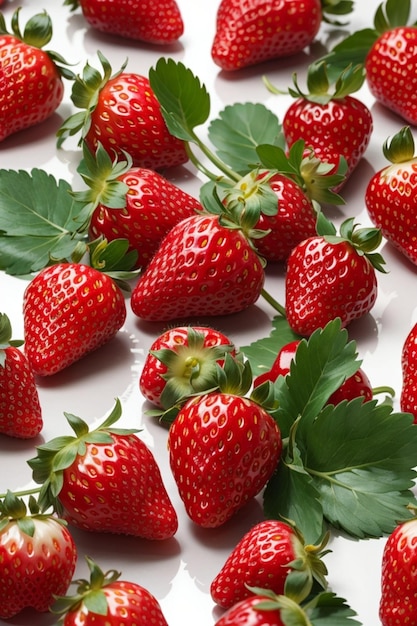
{"points": [[213, 159], [20, 494], [274, 303], [383, 389]]}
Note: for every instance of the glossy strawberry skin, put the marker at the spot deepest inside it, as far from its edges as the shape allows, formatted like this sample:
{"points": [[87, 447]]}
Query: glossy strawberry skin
{"points": [[245, 613], [34, 82], [152, 381], [144, 21], [294, 222], [340, 128], [118, 488], [324, 281], [222, 449], [398, 576], [261, 559], [408, 398], [34, 569], [128, 118], [124, 598], [248, 33], [390, 73], [69, 310], [153, 207], [200, 269], [390, 200], [20, 410]]}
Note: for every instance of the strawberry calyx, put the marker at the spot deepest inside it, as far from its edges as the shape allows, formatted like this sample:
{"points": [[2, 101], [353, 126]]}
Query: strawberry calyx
{"points": [[37, 33], [15, 509], [89, 592], [6, 340], [58, 454], [335, 7], [400, 148]]}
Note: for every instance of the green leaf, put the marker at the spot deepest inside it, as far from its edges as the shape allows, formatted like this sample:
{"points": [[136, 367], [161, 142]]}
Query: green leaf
{"points": [[184, 100], [38, 221], [262, 353], [352, 50], [239, 129], [326, 608]]}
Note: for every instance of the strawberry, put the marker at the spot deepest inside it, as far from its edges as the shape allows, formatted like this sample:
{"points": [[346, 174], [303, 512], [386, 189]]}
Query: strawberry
{"points": [[105, 600], [20, 410], [132, 203], [31, 88], [223, 448], [248, 33], [105, 480], [69, 309], [268, 556], [331, 121], [182, 361], [408, 398], [332, 276], [202, 267], [110, 105], [391, 192], [399, 561], [141, 21], [37, 555]]}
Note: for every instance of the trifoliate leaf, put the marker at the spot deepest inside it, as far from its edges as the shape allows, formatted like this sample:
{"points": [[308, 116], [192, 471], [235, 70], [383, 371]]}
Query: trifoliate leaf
{"points": [[38, 221], [239, 129]]}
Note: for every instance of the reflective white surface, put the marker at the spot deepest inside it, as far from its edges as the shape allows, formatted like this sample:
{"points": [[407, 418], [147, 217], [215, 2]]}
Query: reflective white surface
{"points": [[179, 572]]}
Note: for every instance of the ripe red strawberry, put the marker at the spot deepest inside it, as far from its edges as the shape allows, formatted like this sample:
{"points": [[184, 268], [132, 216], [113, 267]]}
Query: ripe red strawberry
{"points": [[132, 203], [31, 87], [331, 276], [408, 398], [69, 310], [391, 194], [161, 24], [268, 556], [105, 600], [200, 268], [105, 480], [182, 361], [37, 555], [331, 121], [20, 410], [223, 448], [399, 561], [248, 33], [110, 104]]}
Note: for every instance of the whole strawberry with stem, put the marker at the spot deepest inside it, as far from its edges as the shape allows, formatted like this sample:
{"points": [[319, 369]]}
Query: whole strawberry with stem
{"points": [[38, 557], [332, 276], [20, 409], [271, 555], [248, 33], [104, 599], [397, 603], [334, 124], [104, 480], [182, 361], [109, 104], [132, 203], [32, 86], [141, 21], [390, 194], [223, 448]]}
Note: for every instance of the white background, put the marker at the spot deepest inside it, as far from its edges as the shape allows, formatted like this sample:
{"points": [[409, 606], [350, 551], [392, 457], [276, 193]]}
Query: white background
{"points": [[179, 572]]}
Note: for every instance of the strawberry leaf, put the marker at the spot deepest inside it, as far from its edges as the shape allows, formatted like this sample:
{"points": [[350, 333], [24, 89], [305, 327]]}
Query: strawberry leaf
{"points": [[262, 353], [38, 221]]}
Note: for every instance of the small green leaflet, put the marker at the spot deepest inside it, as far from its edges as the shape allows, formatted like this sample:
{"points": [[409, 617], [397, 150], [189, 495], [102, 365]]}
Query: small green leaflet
{"points": [[38, 221], [239, 129]]}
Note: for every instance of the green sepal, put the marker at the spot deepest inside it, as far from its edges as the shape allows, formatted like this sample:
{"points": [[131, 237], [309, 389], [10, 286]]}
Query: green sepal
{"points": [[14, 509], [114, 259], [336, 7], [6, 340], [400, 148], [73, 4]]}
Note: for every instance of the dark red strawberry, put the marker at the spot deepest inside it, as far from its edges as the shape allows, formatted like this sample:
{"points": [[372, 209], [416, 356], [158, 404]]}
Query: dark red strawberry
{"points": [[70, 309], [182, 361], [268, 556], [31, 86], [20, 410], [109, 106], [248, 33], [332, 276], [105, 480], [201, 268], [391, 194], [37, 555], [145, 21]]}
